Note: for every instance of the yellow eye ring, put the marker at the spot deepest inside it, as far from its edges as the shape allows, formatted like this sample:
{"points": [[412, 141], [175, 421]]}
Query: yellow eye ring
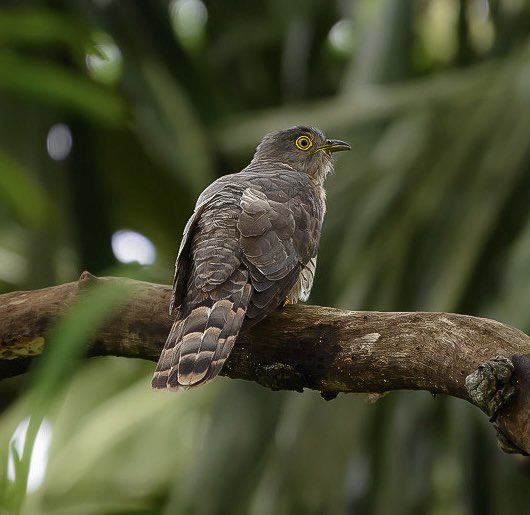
{"points": [[303, 142]]}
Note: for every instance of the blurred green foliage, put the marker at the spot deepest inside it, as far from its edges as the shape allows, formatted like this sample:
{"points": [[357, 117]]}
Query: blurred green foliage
{"points": [[430, 211]]}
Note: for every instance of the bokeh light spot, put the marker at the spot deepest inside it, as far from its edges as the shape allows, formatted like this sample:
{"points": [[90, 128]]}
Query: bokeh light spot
{"points": [[188, 19], [104, 62], [341, 36], [131, 246], [59, 142]]}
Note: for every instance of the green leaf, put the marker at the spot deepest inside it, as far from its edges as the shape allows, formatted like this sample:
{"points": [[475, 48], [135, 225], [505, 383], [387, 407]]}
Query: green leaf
{"points": [[60, 87], [41, 26], [92, 308], [22, 193]]}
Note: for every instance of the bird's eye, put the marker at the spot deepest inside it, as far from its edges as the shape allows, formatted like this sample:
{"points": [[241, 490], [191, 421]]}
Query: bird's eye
{"points": [[303, 143]]}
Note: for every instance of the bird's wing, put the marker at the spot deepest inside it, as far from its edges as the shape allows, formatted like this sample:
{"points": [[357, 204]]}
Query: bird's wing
{"points": [[278, 239], [215, 293], [182, 265], [183, 258], [243, 253]]}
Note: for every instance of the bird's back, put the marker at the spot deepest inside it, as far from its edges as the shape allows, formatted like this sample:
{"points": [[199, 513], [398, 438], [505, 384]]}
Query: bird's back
{"points": [[251, 236]]}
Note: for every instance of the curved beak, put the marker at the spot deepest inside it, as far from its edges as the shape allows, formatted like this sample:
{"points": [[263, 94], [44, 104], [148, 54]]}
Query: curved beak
{"points": [[334, 145]]}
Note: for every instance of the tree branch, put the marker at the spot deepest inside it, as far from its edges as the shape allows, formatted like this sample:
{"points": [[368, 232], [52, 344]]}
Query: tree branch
{"points": [[482, 361]]}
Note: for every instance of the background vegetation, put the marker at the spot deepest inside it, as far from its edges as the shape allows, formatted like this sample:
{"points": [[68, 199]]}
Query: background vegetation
{"points": [[115, 114]]}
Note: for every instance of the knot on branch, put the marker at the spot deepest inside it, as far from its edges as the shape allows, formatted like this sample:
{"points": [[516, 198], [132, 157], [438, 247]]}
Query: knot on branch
{"points": [[493, 386], [86, 279], [489, 386], [281, 376]]}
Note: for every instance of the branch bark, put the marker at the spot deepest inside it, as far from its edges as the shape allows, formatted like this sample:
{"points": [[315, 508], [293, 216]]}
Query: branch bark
{"points": [[482, 361]]}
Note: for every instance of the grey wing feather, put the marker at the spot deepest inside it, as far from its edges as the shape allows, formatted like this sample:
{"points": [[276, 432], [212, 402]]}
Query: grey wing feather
{"points": [[213, 292], [243, 251], [183, 256], [278, 239], [182, 264]]}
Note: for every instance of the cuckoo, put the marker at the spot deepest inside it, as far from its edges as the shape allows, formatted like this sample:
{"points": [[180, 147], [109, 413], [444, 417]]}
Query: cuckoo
{"points": [[249, 247]]}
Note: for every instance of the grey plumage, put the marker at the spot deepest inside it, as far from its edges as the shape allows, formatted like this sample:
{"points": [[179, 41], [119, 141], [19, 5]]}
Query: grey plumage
{"points": [[250, 244]]}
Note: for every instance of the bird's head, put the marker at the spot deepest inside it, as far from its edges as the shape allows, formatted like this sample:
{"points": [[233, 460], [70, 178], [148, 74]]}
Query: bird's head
{"points": [[306, 149]]}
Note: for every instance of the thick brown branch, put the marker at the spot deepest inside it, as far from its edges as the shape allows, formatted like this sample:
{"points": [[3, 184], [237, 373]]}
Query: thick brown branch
{"points": [[298, 347]]}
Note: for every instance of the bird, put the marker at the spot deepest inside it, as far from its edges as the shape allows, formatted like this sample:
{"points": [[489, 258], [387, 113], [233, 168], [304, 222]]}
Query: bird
{"points": [[249, 248]]}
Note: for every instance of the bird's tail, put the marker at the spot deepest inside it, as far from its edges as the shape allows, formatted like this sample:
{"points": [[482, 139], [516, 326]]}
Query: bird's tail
{"points": [[198, 344]]}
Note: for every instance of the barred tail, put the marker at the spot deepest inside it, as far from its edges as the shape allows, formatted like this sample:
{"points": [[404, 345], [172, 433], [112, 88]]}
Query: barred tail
{"points": [[198, 345]]}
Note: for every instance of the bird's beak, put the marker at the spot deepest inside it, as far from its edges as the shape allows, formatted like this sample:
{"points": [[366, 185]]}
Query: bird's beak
{"points": [[334, 145]]}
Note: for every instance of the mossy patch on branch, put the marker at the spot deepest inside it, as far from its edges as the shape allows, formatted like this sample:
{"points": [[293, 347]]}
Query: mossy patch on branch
{"points": [[23, 349]]}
